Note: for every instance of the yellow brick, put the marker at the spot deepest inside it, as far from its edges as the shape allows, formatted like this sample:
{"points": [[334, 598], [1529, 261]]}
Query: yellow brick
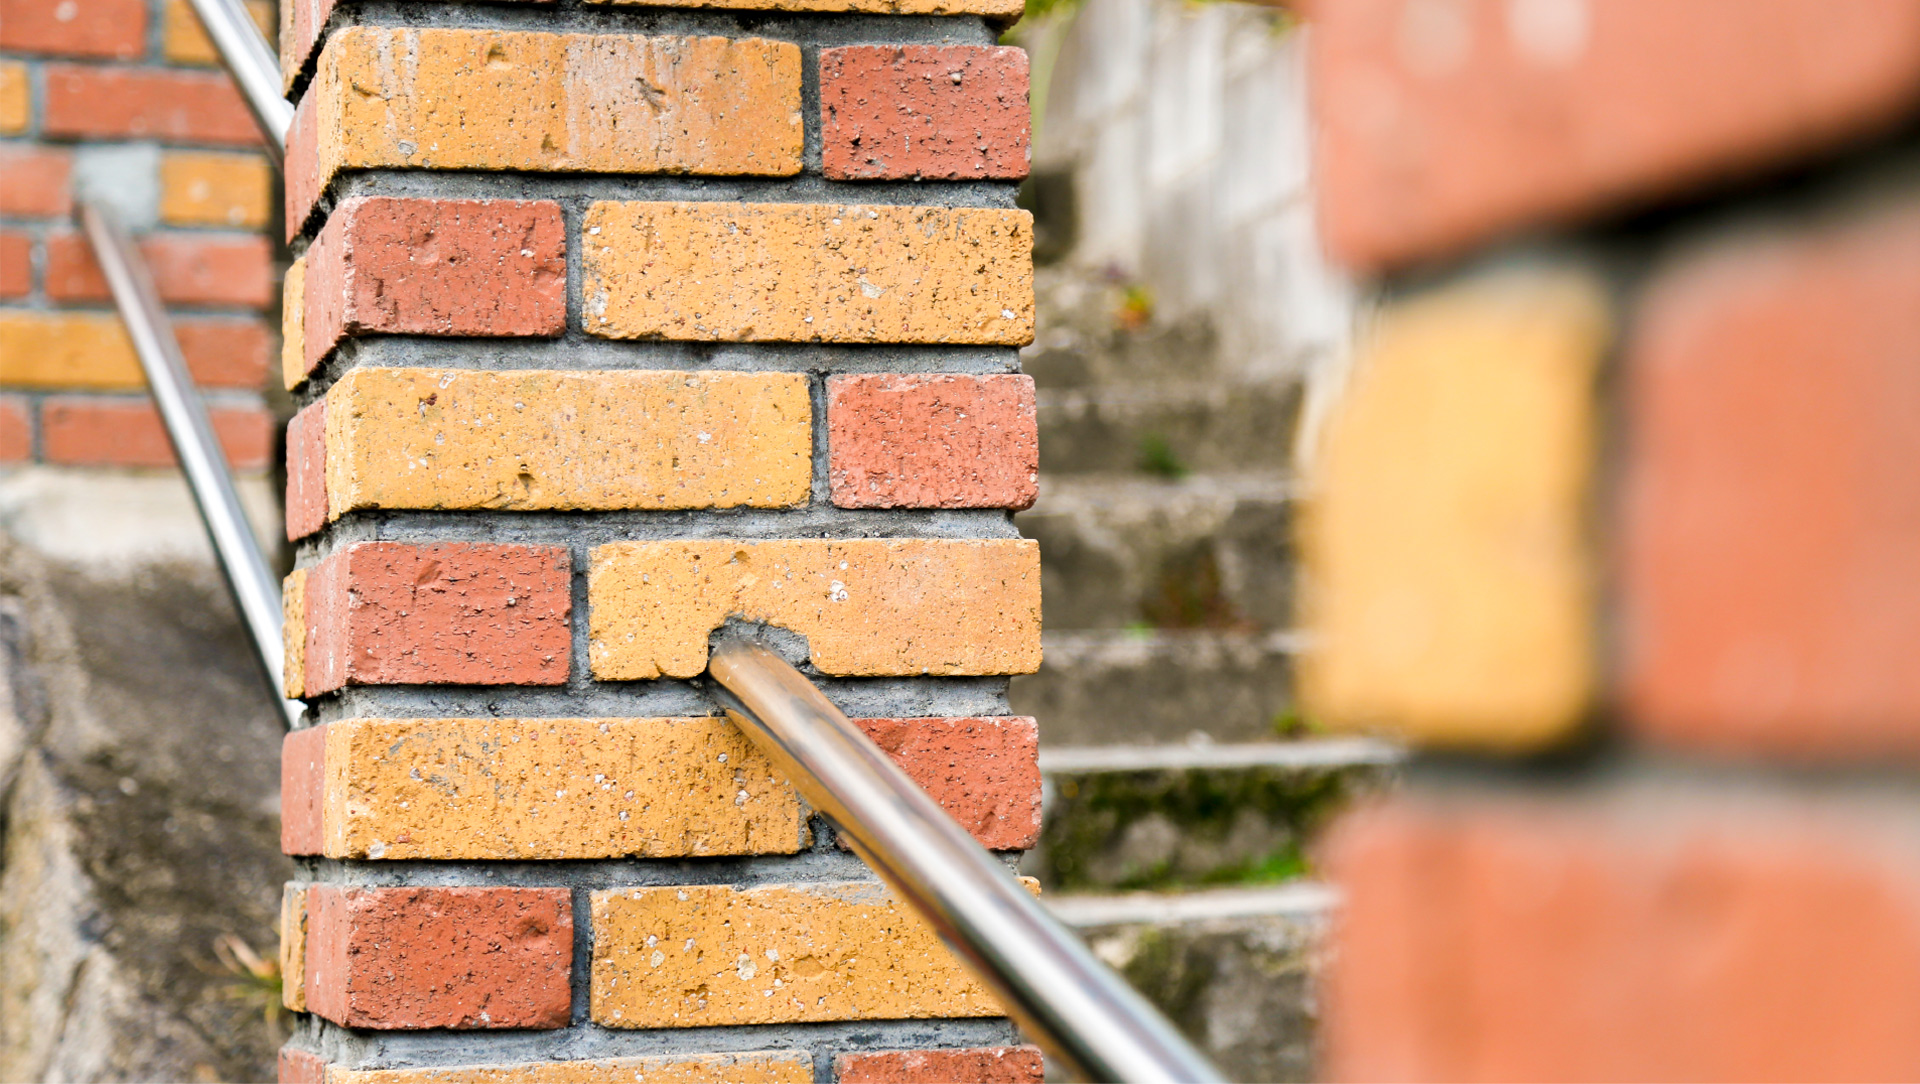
{"points": [[553, 788], [293, 946], [293, 631], [1004, 9], [1449, 570], [430, 438], [867, 606], [66, 350], [16, 98], [207, 189], [700, 955], [185, 42], [293, 325], [768, 1067], [607, 103], [771, 272]]}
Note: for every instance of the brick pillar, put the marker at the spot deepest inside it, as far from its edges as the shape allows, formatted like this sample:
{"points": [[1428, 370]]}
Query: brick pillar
{"points": [[611, 327], [123, 99], [1618, 513]]}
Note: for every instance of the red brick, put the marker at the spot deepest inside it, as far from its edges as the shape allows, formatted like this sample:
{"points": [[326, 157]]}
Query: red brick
{"points": [[301, 174], [1771, 600], [391, 613], [985, 772], [102, 432], [301, 1067], [981, 1065], [16, 265], [303, 784], [932, 441], [16, 429], [1445, 124], [307, 471], [188, 270], [923, 111], [224, 353], [34, 181], [149, 103], [300, 25], [393, 958], [1637, 934], [93, 28], [436, 267]]}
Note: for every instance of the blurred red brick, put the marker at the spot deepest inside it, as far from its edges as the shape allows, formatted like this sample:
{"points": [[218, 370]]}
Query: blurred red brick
{"points": [[88, 102], [16, 264], [91, 28], [1771, 583], [34, 181], [16, 429], [224, 353], [188, 270], [101, 432], [1643, 935], [1446, 122]]}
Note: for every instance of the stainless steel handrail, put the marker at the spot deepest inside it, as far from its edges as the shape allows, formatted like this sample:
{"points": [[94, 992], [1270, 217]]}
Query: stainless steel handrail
{"points": [[1080, 1011], [250, 60], [255, 590]]}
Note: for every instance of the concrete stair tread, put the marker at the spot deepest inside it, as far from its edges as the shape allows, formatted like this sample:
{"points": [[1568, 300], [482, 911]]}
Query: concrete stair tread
{"points": [[1304, 753], [1303, 900], [1170, 428]]}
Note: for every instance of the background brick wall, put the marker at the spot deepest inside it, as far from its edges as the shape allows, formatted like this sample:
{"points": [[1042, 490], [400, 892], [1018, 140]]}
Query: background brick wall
{"points": [[123, 98], [1615, 518]]}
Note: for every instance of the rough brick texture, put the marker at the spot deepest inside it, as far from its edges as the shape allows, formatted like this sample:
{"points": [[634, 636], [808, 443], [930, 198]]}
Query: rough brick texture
{"points": [[303, 790], [130, 103], [306, 502], [382, 613], [706, 955], [293, 634], [533, 101], [933, 441], [923, 111], [543, 440], [293, 946], [99, 432], [439, 957], [769, 1067], [985, 772], [866, 606], [302, 1067], [808, 272], [293, 325], [435, 267], [1444, 124], [107, 29], [984, 1065], [1447, 546], [1770, 600], [1645, 935], [34, 182], [187, 269]]}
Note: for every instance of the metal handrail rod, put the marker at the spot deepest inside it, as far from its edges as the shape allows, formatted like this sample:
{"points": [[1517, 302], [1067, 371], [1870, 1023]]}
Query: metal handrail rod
{"points": [[1079, 1010], [250, 60], [255, 590]]}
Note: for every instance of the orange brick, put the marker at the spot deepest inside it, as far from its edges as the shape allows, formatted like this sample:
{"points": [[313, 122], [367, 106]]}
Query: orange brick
{"points": [[16, 98], [188, 270], [16, 264], [115, 29], [145, 103], [100, 432], [1444, 124], [16, 429], [67, 349], [184, 41], [206, 189], [34, 181]]}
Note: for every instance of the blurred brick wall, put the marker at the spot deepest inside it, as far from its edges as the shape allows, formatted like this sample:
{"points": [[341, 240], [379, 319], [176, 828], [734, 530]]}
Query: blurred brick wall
{"points": [[124, 98], [1617, 522]]}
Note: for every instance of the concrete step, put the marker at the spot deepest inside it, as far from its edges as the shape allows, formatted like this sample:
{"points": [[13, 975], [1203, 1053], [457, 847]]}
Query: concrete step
{"points": [[1169, 430], [1209, 550], [1087, 349], [1157, 817], [1111, 687], [1232, 968]]}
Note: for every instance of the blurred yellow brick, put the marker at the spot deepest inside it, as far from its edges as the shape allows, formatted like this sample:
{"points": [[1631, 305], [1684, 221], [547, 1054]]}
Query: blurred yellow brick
{"points": [[293, 616], [293, 325], [552, 789], [786, 272], [868, 606], [185, 42], [1449, 572], [16, 98], [705, 955], [293, 946], [767, 1067], [66, 350], [208, 189], [536, 439]]}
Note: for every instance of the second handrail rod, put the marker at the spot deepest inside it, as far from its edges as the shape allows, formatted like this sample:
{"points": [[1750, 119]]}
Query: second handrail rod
{"points": [[255, 590], [255, 70], [1079, 1010]]}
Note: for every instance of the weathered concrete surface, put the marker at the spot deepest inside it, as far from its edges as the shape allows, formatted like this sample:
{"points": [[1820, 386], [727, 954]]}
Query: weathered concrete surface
{"points": [[138, 765]]}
